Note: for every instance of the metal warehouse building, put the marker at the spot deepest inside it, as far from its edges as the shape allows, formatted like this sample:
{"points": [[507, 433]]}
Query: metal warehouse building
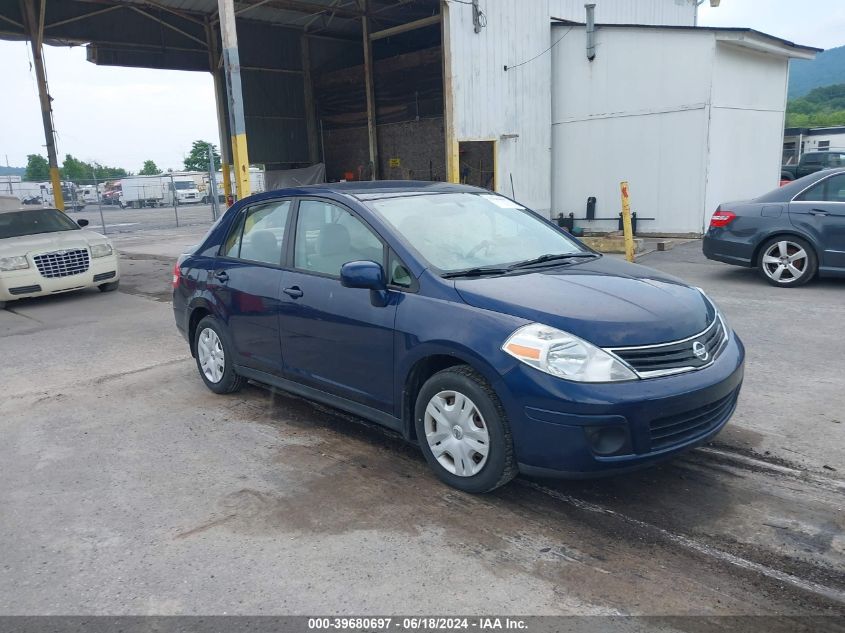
{"points": [[514, 95]]}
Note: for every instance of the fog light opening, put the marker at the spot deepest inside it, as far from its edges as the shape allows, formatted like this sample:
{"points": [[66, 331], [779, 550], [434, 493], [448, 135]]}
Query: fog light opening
{"points": [[608, 440]]}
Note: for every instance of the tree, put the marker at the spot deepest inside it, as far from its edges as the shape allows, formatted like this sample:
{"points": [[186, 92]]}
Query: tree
{"points": [[149, 169], [197, 159], [37, 168], [78, 170], [822, 107]]}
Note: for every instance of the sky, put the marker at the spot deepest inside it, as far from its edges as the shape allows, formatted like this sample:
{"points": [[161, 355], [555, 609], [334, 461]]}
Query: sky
{"points": [[123, 116]]}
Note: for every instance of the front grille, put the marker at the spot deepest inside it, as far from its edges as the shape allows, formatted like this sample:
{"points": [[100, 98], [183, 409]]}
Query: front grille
{"points": [[24, 290], [104, 276], [62, 263], [683, 427], [670, 358]]}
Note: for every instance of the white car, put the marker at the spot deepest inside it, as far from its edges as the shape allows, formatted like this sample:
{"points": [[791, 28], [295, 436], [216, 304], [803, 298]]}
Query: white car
{"points": [[44, 252]]}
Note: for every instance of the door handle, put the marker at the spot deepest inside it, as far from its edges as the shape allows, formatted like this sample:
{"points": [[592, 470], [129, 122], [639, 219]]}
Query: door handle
{"points": [[818, 212], [222, 276], [294, 292]]}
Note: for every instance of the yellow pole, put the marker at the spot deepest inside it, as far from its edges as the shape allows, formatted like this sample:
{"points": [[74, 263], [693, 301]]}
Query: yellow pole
{"points": [[227, 182], [232, 71], [34, 20], [626, 222]]}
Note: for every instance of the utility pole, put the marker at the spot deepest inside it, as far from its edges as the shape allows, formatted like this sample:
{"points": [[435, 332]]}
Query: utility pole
{"points": [[99, 199], [35, 30], [212, 184], [237, 122]]}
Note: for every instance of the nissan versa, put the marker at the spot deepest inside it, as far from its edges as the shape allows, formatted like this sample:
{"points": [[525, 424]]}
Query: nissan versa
{"points": [[462, 320]]}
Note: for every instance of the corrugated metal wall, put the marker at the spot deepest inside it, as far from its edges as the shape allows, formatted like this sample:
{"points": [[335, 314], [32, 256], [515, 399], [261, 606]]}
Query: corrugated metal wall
{"points": [[513, 107]]}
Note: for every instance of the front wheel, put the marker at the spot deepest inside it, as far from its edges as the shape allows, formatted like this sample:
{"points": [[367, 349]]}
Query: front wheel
{"points": [[463, 431], [214, 358], [787, 261], [109, 287]]}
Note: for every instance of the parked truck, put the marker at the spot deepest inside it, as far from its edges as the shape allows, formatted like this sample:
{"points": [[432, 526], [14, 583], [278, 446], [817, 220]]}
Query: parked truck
{"points": [[157, 191], [812, 162]]}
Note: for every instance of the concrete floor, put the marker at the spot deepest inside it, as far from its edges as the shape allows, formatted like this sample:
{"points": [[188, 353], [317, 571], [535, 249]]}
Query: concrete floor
{"points": [[128, 488]]}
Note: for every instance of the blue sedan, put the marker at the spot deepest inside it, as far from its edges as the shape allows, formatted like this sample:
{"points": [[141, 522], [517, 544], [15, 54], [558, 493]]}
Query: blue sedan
{"points": [[463, 321]]}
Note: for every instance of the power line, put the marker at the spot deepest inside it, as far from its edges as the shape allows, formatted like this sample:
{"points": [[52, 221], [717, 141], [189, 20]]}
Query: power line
{"points": [[528, 61]]}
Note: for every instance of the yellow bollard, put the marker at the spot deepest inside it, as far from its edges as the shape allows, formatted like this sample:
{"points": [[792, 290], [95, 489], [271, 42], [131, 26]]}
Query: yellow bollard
{"points": [[626, 222]]}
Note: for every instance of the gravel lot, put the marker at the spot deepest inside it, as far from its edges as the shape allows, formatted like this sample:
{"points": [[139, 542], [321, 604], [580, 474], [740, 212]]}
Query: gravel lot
{"points": [[128, 488]]}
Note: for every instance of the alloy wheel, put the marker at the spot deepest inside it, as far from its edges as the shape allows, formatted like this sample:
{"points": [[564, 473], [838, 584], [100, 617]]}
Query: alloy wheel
{"points": [[785, 262], [211, 356], [456, 433]]}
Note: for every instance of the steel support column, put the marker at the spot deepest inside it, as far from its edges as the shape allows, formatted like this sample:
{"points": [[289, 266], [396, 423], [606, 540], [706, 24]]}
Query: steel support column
{"points": [[34, 21], [219, 99], [232, 68], [372, 131]]}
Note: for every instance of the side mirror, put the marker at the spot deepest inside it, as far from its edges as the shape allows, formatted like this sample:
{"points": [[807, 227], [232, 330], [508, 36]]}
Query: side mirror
{"points": [[363, 274], [82, 222]]}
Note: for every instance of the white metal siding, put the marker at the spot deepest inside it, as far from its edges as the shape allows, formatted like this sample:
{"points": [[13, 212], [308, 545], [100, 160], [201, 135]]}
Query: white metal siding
{"points": [[513, 107], [690, 122], [670, 12]]}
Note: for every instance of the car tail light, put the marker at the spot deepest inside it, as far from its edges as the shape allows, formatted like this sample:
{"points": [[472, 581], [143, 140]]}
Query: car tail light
{"points": [[722, 218], [177, 275]]}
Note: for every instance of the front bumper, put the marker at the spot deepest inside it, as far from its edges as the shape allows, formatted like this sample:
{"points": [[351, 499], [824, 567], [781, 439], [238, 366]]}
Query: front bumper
{"points": [[20, 284], [555, 422]]}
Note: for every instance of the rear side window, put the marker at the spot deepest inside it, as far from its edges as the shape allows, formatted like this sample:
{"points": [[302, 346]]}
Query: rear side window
{"points": [[259, 234], [328, 236], [828, 190]]}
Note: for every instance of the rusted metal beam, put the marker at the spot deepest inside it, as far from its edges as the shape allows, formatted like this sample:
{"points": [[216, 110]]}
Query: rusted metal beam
{"points": [[404, 28]]}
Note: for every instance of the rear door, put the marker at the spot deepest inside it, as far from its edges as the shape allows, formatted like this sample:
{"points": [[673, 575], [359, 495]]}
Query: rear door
{"points": [[820, 212], [336, 339], [247, 279]]}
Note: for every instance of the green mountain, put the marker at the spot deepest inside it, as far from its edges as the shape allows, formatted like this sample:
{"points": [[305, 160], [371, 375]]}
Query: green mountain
{"points": [[821, 107], [827, 69], [12, 171]]}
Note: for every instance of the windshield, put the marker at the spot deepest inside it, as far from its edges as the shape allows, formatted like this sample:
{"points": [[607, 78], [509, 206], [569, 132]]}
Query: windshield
{"points": [[34, 221], [460, 231], [184, 184]]}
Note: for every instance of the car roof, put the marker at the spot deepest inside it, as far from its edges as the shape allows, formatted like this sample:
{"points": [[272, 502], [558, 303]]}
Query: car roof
{"points": [[11, 204], [370, 189]]}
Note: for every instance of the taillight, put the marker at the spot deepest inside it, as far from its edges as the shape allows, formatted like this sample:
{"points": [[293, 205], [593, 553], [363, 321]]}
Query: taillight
{"points": [[177, 275], [722, 218]]}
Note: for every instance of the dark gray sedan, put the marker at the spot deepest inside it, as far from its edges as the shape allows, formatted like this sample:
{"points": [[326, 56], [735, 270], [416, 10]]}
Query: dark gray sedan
{"points": [[790, 235]]}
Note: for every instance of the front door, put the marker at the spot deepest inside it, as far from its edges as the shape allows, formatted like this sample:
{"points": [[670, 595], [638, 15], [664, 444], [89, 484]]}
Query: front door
{"points": [[334, 338], [820, 212], [247, 280]]}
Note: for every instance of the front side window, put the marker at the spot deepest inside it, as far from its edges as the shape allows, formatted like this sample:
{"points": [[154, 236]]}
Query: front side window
{"points": [[460, 231], [328, 236], [34, 221], [828, 190], [258, 235]]}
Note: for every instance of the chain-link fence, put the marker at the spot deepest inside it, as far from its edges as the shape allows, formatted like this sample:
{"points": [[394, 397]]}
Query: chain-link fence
{"points": [[135, 203]]}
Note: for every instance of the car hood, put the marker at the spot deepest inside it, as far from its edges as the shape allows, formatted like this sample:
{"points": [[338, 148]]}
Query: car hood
{"points": [[46, 242], [605, 301]]}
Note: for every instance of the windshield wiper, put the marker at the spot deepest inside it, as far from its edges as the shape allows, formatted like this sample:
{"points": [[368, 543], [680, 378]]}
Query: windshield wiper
{"points": [[475, 272], [551, 257]]}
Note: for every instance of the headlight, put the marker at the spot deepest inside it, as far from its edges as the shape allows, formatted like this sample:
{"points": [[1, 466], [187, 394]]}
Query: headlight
{"points": [[18, 262], [719, 314], [561, 354], [101, 250]]}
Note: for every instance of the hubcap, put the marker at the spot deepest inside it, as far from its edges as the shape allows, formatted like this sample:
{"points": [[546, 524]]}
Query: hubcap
{"points": [[784, 262], [210, 354], [456, 433]]}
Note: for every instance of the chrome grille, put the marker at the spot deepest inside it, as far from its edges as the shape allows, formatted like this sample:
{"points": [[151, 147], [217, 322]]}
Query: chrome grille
{"points": [[62, 263], [691, 353]]}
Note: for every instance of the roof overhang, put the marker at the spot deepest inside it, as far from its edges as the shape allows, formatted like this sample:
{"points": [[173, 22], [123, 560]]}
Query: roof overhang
{"points": [[740, 37]]}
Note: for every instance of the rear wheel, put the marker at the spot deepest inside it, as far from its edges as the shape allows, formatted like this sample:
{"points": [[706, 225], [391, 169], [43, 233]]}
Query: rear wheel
{"points": [[214, 358], [463, 431], [787, 261]]}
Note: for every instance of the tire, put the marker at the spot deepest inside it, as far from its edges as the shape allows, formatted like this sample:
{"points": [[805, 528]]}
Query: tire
{"points": [[225, 381], [2, 305], [461, 397], [787, 261], [109, 287]]}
